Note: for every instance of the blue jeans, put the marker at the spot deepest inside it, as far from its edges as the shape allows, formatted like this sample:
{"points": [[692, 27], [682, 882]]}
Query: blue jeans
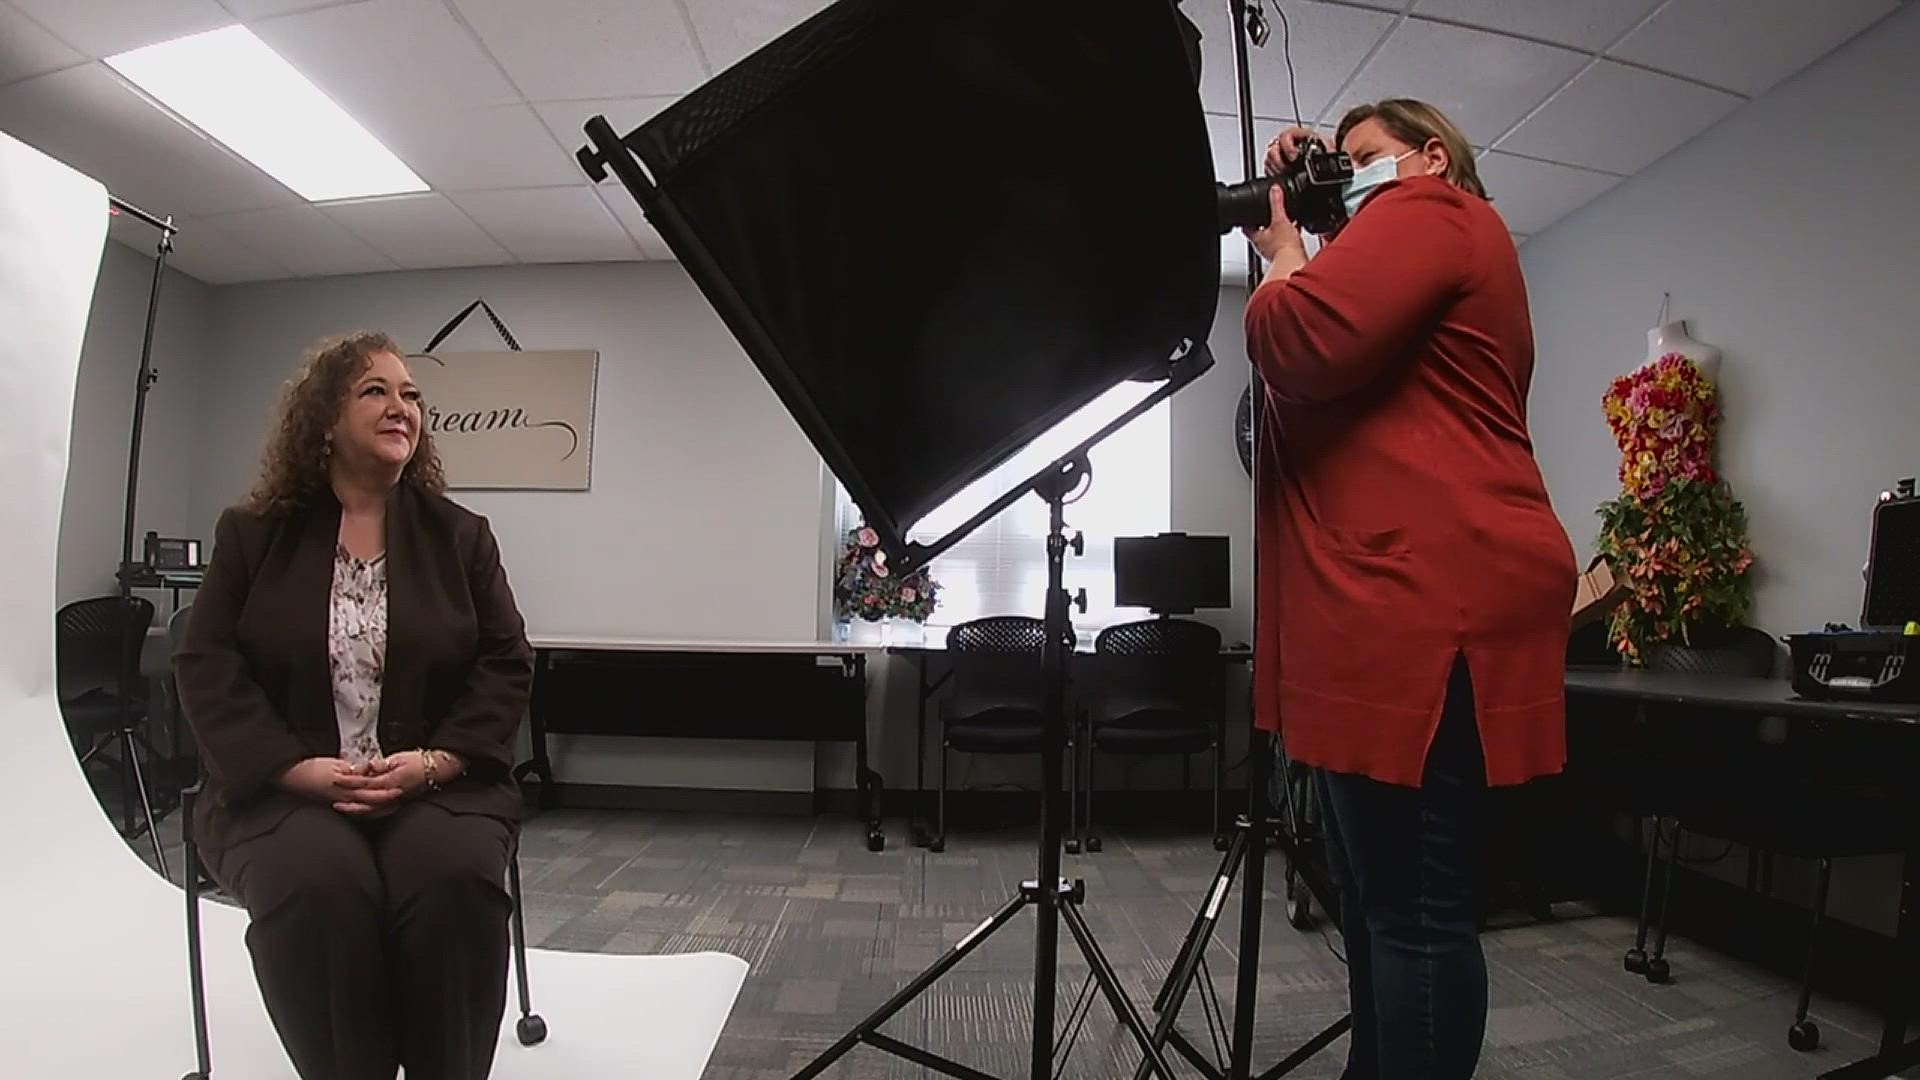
{"points": [[1406, 861]]}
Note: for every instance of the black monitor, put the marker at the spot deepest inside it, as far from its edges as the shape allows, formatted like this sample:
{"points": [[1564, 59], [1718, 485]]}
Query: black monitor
{"points": [[1172, 573]]}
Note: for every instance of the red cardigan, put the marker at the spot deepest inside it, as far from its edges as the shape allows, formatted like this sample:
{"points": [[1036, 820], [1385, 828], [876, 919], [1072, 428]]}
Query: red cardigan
{"points": [[1401, 518]]}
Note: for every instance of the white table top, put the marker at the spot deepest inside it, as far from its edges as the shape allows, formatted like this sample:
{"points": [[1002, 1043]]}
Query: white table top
{"points": [[681, 645]]}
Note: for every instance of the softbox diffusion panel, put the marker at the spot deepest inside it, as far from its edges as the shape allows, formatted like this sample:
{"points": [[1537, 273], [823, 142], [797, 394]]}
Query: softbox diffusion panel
{"points": [[940, 229]]}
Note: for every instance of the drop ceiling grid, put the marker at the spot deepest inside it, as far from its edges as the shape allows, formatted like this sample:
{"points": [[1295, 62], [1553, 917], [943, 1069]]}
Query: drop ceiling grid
{"points": [[1570, 64]]}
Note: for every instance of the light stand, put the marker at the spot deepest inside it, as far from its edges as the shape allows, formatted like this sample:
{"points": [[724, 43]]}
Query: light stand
{"points": [[135, 780], [1054, 899], [1252, 832], [776, 185]]}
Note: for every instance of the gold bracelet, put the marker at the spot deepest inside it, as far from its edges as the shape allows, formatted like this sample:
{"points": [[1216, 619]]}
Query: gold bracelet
{"points": [[427, 763]]}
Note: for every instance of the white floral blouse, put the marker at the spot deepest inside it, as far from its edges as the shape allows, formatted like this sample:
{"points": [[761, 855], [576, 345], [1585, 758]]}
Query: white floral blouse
{"points": [[357, 651]]}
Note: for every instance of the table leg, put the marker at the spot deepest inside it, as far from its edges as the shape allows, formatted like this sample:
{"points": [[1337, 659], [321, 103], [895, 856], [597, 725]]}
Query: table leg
{"points": [[921, 693], [872, 787]]}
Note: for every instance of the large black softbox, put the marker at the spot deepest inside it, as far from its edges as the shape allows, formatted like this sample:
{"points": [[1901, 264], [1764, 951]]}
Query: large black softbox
{"points": [[941, 228]]}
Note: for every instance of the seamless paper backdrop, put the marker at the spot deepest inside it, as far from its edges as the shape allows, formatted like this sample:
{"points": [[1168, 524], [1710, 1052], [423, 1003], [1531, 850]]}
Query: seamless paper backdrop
{"points": [[95, 980]]}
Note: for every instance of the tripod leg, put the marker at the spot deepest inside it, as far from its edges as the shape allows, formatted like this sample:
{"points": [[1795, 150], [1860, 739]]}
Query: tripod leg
{"points": [[1252, 898], [894, 1004], [1192, 956], [139, 779], [1103, 972]]}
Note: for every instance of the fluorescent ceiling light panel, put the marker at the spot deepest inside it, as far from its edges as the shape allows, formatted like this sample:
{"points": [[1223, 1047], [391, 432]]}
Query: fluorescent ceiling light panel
{"points": [[229, 84]]}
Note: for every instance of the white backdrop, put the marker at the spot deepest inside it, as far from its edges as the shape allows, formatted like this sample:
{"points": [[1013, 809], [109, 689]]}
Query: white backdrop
{"points": [[94, 980]]}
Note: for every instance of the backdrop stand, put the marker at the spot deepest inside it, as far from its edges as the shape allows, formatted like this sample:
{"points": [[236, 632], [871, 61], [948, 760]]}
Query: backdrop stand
{"points": [[129, 663]]}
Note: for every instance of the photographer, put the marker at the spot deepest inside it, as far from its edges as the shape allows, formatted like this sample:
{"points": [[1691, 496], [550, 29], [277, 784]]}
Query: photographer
{"points": [[1415, 582]]}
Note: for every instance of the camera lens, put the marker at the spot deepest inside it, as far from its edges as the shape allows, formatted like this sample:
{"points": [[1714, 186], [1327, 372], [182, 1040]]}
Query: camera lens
{"points": [[1244, 205]]}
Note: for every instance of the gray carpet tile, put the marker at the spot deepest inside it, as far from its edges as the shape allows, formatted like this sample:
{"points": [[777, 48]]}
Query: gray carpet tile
{"points": [[831, 931]]}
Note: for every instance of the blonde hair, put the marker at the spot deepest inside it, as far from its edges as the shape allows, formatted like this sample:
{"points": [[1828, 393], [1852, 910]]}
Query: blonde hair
{"points": [[1414, 122], [293, 468]]}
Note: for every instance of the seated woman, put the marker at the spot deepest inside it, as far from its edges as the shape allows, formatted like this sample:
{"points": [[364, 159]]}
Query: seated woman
{"points": [[355, 670]]}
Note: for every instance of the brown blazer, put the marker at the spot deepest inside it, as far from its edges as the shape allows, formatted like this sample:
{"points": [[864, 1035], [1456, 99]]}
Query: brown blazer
{"points": [[256, 684]]}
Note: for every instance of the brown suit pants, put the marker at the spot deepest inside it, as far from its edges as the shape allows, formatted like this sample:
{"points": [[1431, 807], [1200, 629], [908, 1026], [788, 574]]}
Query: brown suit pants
{"points": [[378, 944]]}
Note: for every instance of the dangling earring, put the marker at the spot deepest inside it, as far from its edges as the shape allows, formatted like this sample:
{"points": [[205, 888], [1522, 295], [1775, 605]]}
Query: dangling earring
{"points": [[326, 451]]}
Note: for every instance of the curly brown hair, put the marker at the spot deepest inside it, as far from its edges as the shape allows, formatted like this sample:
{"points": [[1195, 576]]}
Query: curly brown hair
{"points": [[293, 468]]}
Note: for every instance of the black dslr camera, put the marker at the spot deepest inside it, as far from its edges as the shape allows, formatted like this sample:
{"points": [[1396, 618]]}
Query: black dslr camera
{"points": [[1313, 185]]}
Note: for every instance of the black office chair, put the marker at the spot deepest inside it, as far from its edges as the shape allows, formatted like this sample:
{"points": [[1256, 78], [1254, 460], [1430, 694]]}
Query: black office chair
{"points": [[97, 646], [1162, 691], [995, 703]]}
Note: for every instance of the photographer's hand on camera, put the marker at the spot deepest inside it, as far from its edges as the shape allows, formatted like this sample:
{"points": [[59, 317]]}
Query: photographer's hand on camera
{"points": [[1284, 148], [1279, 243]]}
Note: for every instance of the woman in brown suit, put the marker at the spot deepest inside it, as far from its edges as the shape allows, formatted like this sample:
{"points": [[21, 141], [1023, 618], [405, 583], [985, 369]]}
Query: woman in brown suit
{"points": [[355, 670]]}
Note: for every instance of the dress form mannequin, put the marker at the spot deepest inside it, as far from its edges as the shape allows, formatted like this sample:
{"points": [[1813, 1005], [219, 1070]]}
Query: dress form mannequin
{"points": [[1672, 337]]}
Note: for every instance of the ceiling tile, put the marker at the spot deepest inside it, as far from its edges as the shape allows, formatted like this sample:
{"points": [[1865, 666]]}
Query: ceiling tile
{"points": [[265, 9], [106, 27], [1329, 42], [567, 224], [307, 241], [1583, 24], [589, 48], [87, 117], [498, 147], [1747, 45], [1619, 119], [567, 119], [1530, 195], [1223, 135], [729, 32], [419, 231], [26, 49], [627, 209], [1484, 82], [386, 56], [205, 251]]}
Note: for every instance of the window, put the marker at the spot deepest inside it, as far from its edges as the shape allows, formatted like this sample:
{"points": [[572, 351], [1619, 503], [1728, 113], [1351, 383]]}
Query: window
{"points": [[1001, 568]]}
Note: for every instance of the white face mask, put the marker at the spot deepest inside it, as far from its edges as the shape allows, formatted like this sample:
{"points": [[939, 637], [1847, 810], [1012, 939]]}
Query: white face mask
{"points": [[1365, 179]]}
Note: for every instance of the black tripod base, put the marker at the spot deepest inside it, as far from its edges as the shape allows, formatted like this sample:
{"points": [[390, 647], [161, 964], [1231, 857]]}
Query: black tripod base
{"points": [[1065, 898]]}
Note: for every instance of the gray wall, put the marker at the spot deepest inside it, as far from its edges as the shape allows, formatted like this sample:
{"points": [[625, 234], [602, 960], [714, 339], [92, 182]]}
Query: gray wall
{"points": [[95, 506], [703, 518], [1806, 278]]}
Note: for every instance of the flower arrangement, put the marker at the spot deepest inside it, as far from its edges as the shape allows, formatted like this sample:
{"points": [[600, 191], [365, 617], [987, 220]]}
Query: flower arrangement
{"points": [[864, 588], [1676, 532]]}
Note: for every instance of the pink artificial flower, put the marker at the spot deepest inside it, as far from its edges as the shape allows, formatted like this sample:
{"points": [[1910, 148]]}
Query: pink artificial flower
{"points": [[868, 538], [907, 595]]}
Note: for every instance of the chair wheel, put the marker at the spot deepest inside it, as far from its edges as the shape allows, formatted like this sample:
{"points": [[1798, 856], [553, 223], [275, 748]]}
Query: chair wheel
{"points": [[1300, 915], [532, 1030], [1636, 961], [1220, 843], [876, 840], [1804, 1036], [1093, 844], [937, 845], [1073, 847], [1659, 971]]}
